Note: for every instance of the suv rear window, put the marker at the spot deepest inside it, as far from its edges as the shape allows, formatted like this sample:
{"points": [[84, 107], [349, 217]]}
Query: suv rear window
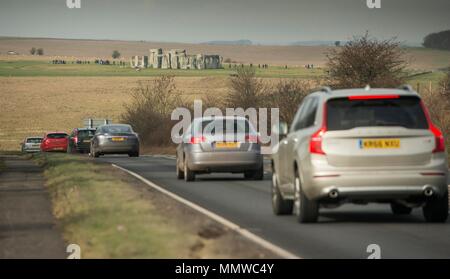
{"points": [[86, 133], [56, 136], [405, 111]]}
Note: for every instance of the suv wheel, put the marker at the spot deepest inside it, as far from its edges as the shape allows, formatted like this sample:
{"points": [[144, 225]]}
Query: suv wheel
{"points": [[180, 173], [188, 174], [134, 154], [306, 211], [255, 174], [436, 210], [280, 206], [400, 209]]}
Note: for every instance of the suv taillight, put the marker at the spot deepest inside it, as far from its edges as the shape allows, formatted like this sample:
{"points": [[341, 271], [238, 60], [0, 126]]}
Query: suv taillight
{"points": [[195, 140], [315, 144], [252, 139], [438, 137]]}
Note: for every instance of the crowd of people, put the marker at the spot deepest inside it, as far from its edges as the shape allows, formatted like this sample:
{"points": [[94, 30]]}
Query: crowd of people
{"points": [[82, 62]]}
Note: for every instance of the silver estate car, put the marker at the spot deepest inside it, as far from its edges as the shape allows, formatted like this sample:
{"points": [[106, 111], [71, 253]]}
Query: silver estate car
{"points": [[31, 144], [360, 146], [115, 139], [220, 144]]}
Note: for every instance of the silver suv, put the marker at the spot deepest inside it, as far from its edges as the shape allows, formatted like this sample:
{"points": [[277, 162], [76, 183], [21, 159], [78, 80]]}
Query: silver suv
{"points": [[360, 146]]}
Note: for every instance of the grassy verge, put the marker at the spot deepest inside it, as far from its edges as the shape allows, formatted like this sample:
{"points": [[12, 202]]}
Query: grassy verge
{"points": [[105, 216], [112, 215]]}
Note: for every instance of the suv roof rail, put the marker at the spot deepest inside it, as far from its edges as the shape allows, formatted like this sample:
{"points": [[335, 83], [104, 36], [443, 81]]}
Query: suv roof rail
{"points": [[406, 87], [325, 89]]}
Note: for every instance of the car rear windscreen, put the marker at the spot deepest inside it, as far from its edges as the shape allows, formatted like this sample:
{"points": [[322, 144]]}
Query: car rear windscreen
{"points": [[56, 136], [118, 129], [404, 111], [230, 126], [86, 133], [34, 140]]}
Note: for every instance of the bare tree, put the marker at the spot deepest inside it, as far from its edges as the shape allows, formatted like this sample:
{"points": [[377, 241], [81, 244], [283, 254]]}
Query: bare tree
{"points": [[150, 110], [444, 84], [287, 96], [367, 61], [246, 89], [438, 104]]}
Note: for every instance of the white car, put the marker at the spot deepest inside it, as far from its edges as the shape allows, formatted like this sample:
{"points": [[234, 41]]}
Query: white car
{"points": [[31, 144]]}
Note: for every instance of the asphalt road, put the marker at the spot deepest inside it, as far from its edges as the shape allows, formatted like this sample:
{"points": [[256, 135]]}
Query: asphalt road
{"points": [[344, 232]]}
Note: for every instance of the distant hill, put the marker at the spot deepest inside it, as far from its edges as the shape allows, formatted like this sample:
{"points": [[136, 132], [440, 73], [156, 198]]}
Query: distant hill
{"points": [[316, 43], [231, 43]]}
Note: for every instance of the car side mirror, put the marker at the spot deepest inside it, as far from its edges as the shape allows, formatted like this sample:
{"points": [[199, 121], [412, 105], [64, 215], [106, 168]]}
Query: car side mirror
{"points": [[281, 129]]}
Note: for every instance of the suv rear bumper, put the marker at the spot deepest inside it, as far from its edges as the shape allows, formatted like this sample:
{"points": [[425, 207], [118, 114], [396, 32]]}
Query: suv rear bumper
{"points": [[377, 185], [83, 146], [381, 192]]}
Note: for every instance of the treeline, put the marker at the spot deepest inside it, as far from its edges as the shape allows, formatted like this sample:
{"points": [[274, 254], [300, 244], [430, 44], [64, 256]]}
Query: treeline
{"points": [[439, 40]]}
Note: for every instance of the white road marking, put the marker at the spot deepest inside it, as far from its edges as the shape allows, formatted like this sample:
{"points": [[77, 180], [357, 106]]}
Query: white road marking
{"points": [[258, 240]]}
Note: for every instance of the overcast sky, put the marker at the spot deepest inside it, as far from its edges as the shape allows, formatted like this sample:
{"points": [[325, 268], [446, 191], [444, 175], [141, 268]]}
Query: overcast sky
{"points": [[262, 21]]}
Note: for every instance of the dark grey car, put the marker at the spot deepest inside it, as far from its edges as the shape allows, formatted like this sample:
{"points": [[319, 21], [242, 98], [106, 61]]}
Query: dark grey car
{"points": [[207, 148], [115, 139]]}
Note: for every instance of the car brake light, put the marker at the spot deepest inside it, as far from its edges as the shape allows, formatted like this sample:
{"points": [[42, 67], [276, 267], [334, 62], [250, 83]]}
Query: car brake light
{"points": [[373, 97], [315, 144], [252, 139], [438, 137], [195, 140]]}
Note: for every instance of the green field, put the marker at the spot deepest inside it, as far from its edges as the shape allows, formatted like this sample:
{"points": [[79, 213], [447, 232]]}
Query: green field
{"points": [[423, 80], [45, 69]]}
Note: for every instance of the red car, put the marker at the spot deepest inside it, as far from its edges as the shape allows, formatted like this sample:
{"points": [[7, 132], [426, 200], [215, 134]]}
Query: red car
{"points": [[55, 141]]}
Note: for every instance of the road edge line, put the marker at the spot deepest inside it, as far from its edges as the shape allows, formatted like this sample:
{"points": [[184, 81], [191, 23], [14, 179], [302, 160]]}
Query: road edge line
{"points": [[247, 234]]}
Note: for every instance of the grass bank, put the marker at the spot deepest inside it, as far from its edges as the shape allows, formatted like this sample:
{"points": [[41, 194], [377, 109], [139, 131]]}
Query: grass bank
{"points": [[104, 215], [112, 215]]}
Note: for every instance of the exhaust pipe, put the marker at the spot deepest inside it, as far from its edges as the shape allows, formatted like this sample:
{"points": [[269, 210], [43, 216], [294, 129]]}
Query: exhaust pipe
{"points": [[428, 192], [333, 194]]}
